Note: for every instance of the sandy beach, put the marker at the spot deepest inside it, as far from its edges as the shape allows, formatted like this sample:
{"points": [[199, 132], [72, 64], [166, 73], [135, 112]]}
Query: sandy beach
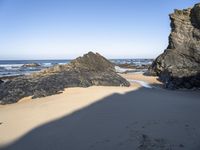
{"points": [[99, 75], [100, 117], [19, 118], [153, 81]]}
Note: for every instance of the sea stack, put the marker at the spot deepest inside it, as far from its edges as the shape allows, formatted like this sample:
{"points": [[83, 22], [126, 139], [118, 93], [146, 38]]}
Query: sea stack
{"points": [[179, 65], [91, 69]]}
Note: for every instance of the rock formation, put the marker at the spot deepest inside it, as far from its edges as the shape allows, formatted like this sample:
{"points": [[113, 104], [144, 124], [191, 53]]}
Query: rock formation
{"points": [[132, 66], [31, 65], [91, 69], [179, 65]]}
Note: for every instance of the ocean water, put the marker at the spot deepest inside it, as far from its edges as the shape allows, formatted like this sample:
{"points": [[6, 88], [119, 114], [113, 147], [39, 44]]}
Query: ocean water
{"points": [[136, 62], [14, 67]]}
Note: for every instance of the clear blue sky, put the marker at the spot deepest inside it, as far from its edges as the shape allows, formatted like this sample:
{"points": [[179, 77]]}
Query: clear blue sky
{"points": [[61, 29]]}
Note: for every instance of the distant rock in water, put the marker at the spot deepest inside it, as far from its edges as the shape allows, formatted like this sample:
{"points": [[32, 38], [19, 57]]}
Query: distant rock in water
{"points": [[91, 69], [31, 65], [129, 66], [133, 66], [179, 65]]}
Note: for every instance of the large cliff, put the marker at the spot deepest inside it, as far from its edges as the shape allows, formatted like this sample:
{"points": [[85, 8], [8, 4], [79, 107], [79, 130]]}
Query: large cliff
{"points": [[179, 65]]}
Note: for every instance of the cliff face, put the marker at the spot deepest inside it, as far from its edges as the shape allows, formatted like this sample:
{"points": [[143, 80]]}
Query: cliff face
{"points": [[91, 69], [179, 65]]}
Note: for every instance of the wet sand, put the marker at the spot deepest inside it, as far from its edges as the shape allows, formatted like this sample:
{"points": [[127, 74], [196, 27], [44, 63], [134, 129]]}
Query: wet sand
{"points": [[139, 76]]}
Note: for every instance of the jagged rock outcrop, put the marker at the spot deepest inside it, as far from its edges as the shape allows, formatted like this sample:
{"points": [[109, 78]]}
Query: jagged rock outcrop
{"points": [[92, 62], [91, 69], [179, 65]]}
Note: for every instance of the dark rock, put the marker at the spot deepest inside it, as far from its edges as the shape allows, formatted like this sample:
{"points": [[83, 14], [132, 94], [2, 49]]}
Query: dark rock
{"points": [[92, 62], [132, 66], [91, 69], [1, 81], [129, 66], [5, 78], [31, 65], [179, 65]]}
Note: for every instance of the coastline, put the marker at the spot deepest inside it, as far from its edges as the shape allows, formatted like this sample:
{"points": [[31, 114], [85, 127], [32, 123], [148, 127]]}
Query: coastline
{"points": [[10, 69], [128, 93]]}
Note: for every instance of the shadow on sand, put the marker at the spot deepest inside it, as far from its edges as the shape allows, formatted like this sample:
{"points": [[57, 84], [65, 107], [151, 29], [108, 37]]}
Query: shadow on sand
{"points": [[145, 119]]}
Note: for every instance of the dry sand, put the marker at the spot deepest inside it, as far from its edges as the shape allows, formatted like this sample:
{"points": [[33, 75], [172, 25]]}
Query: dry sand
{"points": [[109, 118], [19, 118]]}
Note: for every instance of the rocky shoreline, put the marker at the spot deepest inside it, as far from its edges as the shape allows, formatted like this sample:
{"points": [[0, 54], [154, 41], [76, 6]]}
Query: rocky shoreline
{"points": [[131, 66], [91, 69]]}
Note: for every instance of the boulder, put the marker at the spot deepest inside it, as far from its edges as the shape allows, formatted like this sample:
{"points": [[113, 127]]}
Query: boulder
{"points": [[91, 69], [1, 81], [179, 65]]}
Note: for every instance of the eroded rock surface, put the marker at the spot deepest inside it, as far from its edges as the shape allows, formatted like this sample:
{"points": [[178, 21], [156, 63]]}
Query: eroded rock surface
{"points": [[179, 65], [91, 69]]}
